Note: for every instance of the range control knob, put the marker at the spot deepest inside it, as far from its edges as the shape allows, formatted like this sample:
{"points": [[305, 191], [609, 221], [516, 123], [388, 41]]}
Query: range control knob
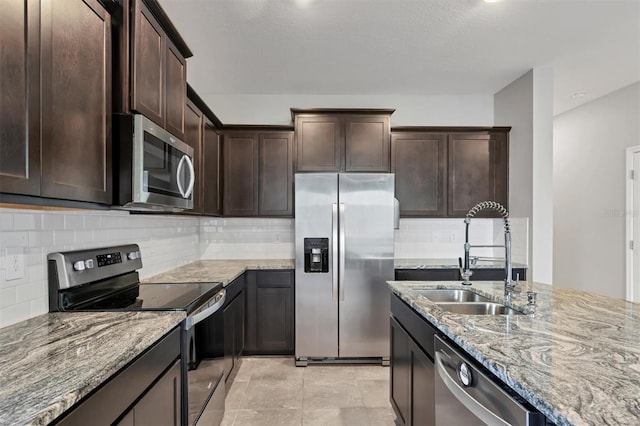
{"points": [[138, 255], [89, 264], [79, 265], [132, 256]]}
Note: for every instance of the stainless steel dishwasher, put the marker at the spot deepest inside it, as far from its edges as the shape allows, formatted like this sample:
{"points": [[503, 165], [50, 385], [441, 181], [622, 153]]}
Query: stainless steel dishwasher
{"points": [[465, 395]]}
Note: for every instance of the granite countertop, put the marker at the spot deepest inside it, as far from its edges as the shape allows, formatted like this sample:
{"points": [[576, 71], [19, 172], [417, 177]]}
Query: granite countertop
{"points": [[575, 357], [50, 362], [434, 263], [219, 271]]}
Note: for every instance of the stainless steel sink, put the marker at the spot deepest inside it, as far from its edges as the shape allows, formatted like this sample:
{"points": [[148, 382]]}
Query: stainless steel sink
{"points": [[476, 308], [450, 295]]}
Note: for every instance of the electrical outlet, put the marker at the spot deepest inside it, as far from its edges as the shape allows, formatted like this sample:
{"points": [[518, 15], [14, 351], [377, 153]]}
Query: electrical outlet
{"points": [[14, 264]]}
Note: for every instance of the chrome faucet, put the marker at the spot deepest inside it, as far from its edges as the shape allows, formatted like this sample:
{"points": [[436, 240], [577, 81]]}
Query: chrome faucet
{"points": [[465, 270]]}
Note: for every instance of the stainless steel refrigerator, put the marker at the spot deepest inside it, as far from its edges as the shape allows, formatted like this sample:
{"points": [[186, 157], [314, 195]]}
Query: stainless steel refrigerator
{"points": [[344, 233]]}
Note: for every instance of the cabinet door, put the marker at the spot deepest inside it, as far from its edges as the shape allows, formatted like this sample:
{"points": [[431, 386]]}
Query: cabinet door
{"points": [[240, 164], [161, 405], [275, 170], [275, 319], [76, 101], [20, 97], [193, 136], [319, 143], [211, 190], [422, 387], [400, 372], [228, 317], [176, 90], [366, 143], [419, 163], [238, 327], [478, 171], [148, 62]]}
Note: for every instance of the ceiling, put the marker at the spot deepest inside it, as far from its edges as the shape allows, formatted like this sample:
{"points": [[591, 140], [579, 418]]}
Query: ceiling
{"points": [[408, 47]]}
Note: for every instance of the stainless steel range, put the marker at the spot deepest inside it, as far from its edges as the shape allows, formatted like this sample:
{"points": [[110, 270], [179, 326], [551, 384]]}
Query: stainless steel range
{"points": [[107, 279]]}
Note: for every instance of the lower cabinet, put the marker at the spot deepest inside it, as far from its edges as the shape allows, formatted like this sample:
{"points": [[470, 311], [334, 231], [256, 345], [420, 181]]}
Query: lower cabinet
{"points": [[161, 404], [233, 314], [412, 369], [146, 392], [270, 312]]}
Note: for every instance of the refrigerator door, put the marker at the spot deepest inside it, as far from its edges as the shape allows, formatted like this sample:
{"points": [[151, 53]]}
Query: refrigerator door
{"points": [[316, 292], [366, 210]]}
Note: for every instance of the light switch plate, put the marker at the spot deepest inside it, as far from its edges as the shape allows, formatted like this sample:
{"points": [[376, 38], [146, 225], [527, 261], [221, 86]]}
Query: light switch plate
{"points": [[14, 264]]}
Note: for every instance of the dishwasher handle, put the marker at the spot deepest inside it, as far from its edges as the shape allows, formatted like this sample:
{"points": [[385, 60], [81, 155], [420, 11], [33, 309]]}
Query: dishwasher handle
{"points": [[470, 403]]}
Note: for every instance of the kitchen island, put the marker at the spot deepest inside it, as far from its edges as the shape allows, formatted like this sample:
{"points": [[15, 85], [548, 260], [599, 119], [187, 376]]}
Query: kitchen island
{"points": [[575, 356], [51, 362]]}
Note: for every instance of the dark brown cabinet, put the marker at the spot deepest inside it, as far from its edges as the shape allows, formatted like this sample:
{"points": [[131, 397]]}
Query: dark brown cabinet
{"points": [[211, 182], [193, 136], [445, 172], [56, 102], [158, 72], [419, 163], [20, 97], [412, 368], [233, 314], [258, 173], [161, 405], [270, 312], [478, 170], [342, 140]]}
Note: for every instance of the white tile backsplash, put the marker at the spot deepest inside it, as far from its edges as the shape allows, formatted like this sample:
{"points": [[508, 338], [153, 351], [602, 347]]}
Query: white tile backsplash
{"points": [[165, 241], [170, 241]]}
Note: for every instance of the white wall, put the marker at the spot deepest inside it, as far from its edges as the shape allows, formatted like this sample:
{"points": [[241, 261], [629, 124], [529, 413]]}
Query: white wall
{"points": [[445, 110], [526, 105], [165, 242], [589, 191]]}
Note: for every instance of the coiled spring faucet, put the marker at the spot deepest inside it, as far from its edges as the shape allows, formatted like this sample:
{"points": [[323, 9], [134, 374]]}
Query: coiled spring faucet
{"points": [[466, 271]]}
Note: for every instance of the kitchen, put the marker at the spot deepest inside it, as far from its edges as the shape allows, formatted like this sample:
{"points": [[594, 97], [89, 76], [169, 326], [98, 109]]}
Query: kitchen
{"points": [[44, 224]]}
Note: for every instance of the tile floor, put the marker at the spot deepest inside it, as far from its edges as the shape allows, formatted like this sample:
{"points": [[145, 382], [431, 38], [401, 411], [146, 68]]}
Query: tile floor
{"points": [[273, 391]]}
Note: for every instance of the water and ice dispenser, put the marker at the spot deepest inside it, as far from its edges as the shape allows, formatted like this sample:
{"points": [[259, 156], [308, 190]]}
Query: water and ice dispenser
{"points": [[316, 255]]}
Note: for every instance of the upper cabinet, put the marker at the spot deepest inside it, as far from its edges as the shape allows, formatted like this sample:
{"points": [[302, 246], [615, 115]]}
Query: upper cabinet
{"points": [[203, 136], [258, 173], [152, 66], [442, 172], [478, 170], [334, 140], [419, 163], [55, 102], [20, 97]]}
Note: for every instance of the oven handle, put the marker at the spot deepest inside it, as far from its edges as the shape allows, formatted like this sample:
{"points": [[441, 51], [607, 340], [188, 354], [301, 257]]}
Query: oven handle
{"points": [[479, 410], [204, 313]]}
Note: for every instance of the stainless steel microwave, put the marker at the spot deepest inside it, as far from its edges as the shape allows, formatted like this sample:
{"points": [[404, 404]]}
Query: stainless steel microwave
{"points": [[153, 169]]}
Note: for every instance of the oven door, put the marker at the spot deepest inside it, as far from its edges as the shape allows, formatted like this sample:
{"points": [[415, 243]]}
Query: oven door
{"points": [[163, 172], [203, 362]]}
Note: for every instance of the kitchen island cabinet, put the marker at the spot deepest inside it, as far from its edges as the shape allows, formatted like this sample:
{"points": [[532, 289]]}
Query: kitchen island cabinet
{"points": [[535, 354]]}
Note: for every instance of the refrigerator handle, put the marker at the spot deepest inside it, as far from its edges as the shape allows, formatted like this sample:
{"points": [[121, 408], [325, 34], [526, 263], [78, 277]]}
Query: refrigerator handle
{"points": [[334, 251], [342, 252]]}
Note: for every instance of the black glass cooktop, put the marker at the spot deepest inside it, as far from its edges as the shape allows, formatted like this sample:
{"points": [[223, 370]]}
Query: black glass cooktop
{"points": [[157, 297]]}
